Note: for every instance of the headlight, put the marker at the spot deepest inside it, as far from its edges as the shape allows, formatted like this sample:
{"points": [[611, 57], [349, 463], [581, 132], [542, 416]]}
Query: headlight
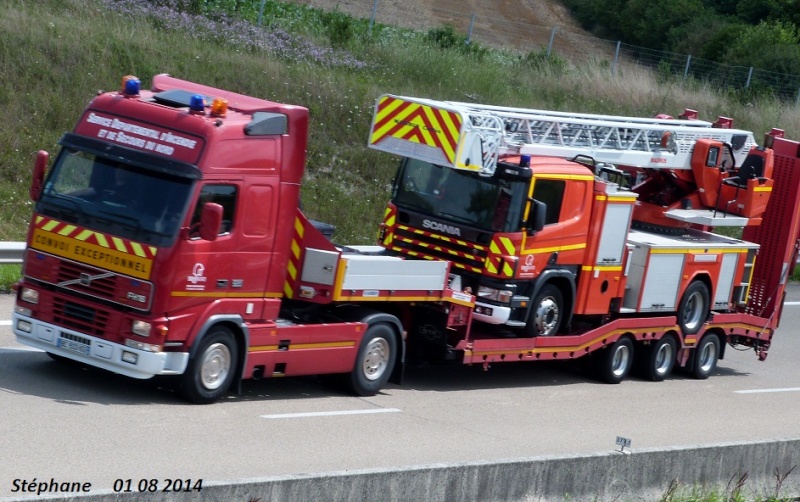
{"points": [[140, 328], [487, 293], [498, 295], [29, 295]]}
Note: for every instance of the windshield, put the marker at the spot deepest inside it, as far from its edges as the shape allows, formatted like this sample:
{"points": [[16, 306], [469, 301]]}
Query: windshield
{"points": [[491, 204], [110, 196]]}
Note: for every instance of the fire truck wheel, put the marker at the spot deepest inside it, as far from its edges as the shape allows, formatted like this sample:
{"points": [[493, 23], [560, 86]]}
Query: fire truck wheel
{"points": [[659, 359], [693, 308], [705, 356], [374, 361], [547, 311], [615, 362], [211, 371]]}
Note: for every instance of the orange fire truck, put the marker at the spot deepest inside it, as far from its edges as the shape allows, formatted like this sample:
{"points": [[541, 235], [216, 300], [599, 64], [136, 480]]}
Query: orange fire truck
{"points": [[167, 239], [567, 224]]}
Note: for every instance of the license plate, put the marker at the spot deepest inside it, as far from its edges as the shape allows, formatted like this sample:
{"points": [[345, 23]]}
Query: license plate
{"points": [[73, 346]]}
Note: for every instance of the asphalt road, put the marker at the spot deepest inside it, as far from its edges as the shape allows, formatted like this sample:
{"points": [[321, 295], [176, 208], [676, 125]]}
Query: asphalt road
{"points": [[82, 425]]}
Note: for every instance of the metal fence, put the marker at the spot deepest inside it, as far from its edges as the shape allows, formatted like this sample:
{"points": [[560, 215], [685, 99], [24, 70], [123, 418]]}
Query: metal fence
{"points": [[576, 47], [484, 28], [11, 252]]}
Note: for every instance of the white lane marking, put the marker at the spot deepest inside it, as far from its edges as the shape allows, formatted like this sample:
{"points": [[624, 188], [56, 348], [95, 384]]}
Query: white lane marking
{"points": [[332, 413], [791, 303], [5, 323], [760, 391]]}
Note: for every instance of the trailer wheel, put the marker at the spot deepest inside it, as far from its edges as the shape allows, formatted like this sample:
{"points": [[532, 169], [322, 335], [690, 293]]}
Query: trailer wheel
{"points": [[547, 312], [659, 359], [374, 361], [211, 371], [693, 308], [706, 355], [616, 361]]}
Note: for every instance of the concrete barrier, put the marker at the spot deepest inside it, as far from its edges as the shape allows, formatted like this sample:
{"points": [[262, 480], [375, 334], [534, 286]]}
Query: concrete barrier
{"points": [[646, 475]]}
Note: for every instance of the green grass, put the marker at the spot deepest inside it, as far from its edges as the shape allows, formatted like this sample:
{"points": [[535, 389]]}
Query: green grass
{"points": [[56, 54], [9, 274]]}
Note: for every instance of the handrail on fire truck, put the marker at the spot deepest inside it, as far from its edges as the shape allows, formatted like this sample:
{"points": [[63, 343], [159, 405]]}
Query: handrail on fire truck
{"points": [[457, 134]]}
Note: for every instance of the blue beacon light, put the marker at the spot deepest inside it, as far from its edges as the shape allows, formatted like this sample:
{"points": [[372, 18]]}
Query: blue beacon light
{"points": [[131, 86], [197, 104]]}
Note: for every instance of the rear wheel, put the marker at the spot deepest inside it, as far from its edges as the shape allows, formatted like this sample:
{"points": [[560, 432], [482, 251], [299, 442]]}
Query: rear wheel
{"points": [[615, 361], [659, 359], [374, 361], [211, 371], [693, 308], [706, 355], [547, 312]]}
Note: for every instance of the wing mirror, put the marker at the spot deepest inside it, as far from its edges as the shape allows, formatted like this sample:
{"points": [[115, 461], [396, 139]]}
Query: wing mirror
{"points": [[210, 221], [37, 180]]}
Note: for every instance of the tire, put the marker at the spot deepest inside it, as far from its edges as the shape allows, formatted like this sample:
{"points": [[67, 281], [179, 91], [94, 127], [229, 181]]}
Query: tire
{"points": [[693, 308], [705, 357], [375, 361], [547, 312], [212, 370], [615, 362], [659, 359]]}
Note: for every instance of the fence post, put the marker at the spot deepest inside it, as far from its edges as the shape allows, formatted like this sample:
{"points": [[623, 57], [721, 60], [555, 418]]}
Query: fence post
{"points": [[749, 76], [471, 24], [616, 59], [372, 17], [261, 12], [686, 70], [550, 44]]}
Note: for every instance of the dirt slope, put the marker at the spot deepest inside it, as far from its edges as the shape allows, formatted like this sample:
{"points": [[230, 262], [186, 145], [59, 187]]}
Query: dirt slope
{"points": [[497, 22]]}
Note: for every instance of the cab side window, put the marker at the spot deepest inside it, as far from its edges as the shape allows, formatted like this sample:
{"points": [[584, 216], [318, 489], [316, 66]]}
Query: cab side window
{"points": [[551, 192], [225, 196]]}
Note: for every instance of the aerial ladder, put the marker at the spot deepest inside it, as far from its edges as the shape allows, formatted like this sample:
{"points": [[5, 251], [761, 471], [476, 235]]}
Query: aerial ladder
{"points": [[685, 171]]}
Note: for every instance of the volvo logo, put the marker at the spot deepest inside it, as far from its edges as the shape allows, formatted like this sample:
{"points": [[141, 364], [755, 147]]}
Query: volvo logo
{"points": [[85, 279]]}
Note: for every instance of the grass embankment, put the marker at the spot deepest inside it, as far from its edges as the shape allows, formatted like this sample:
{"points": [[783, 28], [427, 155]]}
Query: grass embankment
{"points": [[55, 54]]}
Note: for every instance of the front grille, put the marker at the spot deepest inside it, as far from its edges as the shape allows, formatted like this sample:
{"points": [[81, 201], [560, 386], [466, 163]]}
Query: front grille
{"points": [[80, 317], [69, 274], [462, 254]]}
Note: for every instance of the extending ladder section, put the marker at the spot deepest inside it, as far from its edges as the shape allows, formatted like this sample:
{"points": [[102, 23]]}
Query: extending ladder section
{"points": [[473, 136]]}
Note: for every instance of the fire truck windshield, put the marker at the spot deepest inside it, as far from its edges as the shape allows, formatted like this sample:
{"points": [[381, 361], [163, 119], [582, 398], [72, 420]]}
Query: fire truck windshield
{"points": [[487, 203], [107, 195]]}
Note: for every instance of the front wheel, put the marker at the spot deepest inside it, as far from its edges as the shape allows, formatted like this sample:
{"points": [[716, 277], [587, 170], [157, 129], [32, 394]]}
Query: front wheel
{"points": [[374, 361], [211, 371], [547, 312]]}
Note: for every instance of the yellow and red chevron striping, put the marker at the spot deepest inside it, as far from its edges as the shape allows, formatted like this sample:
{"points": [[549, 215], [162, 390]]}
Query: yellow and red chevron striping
{"points": [[93, 237], [418, 123]]}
